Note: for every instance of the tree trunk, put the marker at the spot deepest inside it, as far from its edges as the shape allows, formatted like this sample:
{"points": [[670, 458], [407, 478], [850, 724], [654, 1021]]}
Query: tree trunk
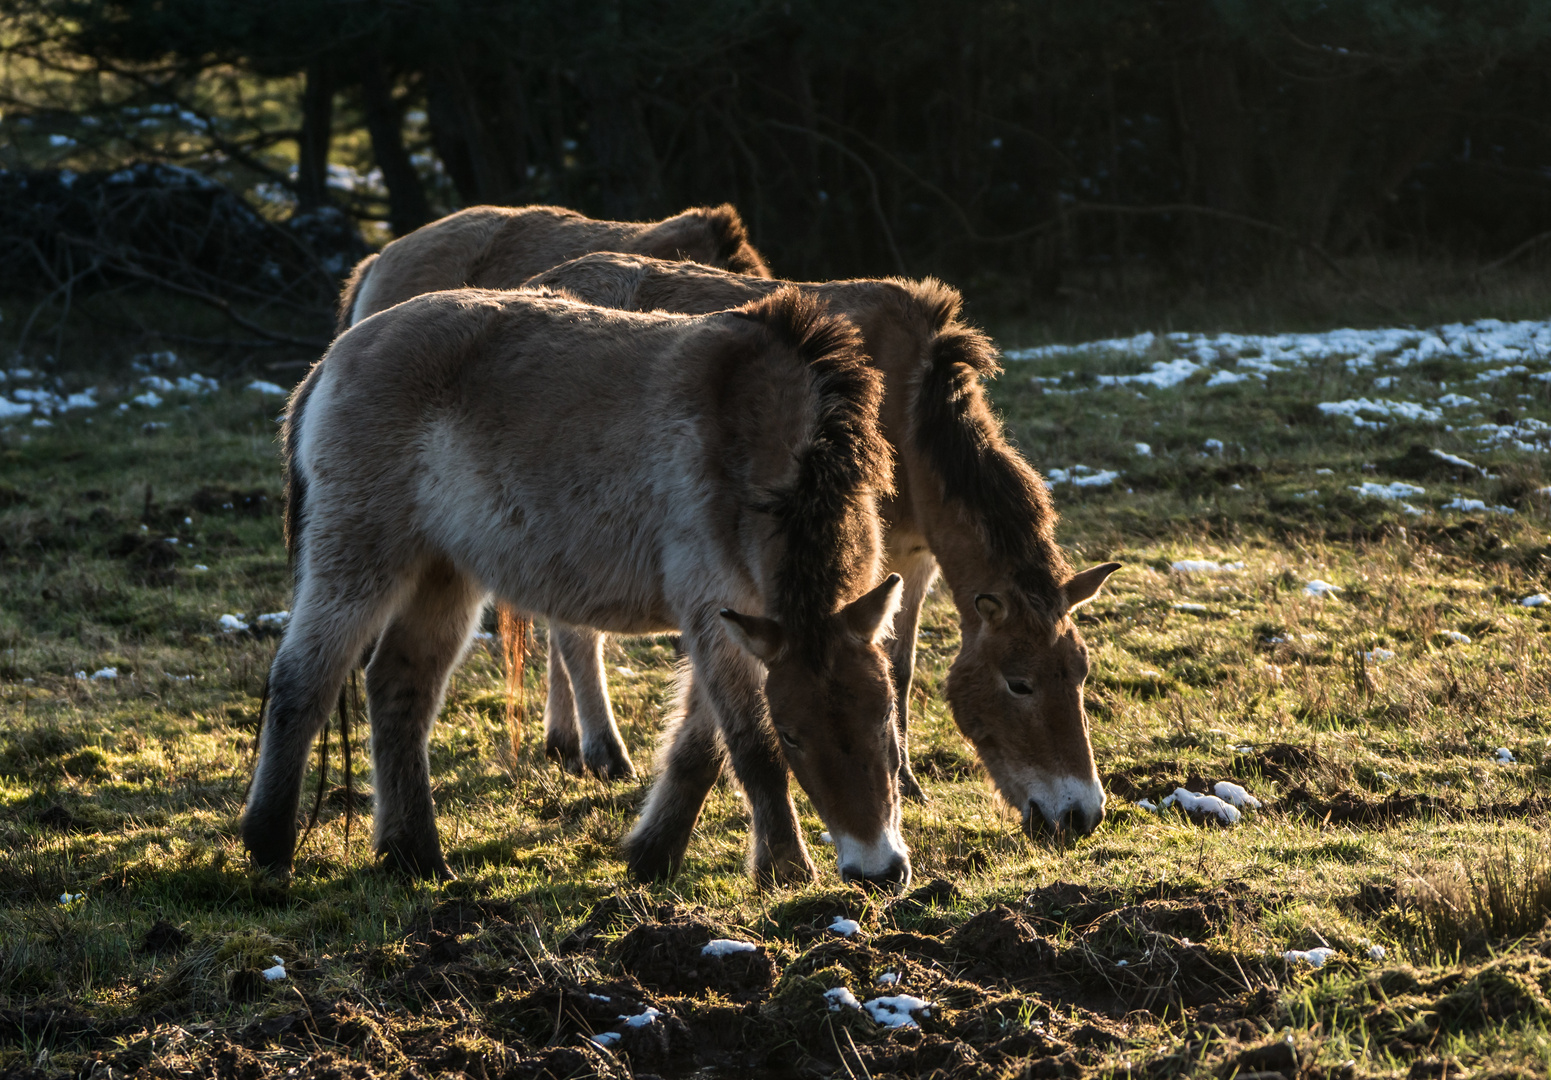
{"points": [[312, 159], [408, 208]]}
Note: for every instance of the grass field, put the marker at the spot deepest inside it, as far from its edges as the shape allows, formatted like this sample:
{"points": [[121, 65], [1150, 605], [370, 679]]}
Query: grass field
{"points": [[1396, 729]]}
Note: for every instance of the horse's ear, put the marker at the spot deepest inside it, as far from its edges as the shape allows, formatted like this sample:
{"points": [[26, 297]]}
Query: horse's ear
{"points": [[1085, 586], [870, 617], [991, 608], [762, 638]]}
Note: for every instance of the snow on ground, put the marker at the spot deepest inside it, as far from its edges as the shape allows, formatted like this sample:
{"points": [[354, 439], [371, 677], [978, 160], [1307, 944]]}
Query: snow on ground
{"points": [[1234, 795], [895, 1010], [1081, 476], [1498, 350], [1312, 957], [1203, 566], [841, 998], [1320, 588], [726, 947], [1190, 802], [844, 927]]}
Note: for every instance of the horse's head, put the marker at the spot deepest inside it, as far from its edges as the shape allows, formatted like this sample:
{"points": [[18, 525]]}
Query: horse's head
{"points": [[834, 716], [1016, 693]]}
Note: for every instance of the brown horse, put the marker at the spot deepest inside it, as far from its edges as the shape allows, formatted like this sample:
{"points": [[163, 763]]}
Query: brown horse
{"points": [[500, 247], [639, 473], [966, 501]]}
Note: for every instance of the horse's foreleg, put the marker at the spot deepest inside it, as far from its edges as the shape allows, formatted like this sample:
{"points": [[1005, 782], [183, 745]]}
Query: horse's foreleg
{"points": [[602, 750], [321, 645], [405, 684], [918, 572], [733, 684], [689, 764]]}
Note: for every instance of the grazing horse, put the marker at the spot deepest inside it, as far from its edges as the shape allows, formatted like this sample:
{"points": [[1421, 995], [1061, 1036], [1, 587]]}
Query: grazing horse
{"points": [[966, 501], [500, 247], [639, 473]]}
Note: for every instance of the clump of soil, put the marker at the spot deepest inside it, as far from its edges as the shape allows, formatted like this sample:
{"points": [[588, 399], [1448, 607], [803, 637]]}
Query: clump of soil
{"points": [[163, 938], [667, 957], [1003, 941]]}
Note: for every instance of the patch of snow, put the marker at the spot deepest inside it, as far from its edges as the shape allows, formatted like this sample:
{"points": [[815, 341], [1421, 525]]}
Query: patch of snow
{"points": [[841, 998], [1143, 450], [844, 927], [1081, 476], [1377, 952], [1353, 408], [1324, 472], [1379, 655], [106, 673], [888, 978], [642, 1019], [1459, 502], [150, 399], [1504, 756], [1192, 609], [825, 838], [1454, 459], [624, 672], [1212, 446], [1397, 490], [9, 409], [1538, 600], [40, 422], [1227, 378], [606, 1039], [1456, 637], [67, 899], [276, 973], [1456, 401], [1146, 804], [232, 624], [264, 387], [1234, 795], [1203, 566], [1312, 957], [1164, 374], [726, 947], [895, 1011], [1190, 802]]}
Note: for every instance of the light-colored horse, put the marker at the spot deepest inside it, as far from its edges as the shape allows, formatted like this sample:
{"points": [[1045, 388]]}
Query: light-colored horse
{"points": [[500, 247], [966, 501], [716, 474]]}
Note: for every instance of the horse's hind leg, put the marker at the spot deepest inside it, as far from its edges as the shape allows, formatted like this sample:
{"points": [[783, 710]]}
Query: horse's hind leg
{"points": [[322, 643], [691, 762], [562, 736], [405, 683], [918, 573], [602, 751]]}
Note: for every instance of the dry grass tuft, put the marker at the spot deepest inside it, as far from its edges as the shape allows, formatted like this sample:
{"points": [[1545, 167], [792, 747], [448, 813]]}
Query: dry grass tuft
{"points": [[1464, 908]]}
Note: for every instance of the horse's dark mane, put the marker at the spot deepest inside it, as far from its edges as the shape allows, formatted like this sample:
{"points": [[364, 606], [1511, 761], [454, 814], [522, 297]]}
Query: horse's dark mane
{"points": [[959, 435], [822, 516]]}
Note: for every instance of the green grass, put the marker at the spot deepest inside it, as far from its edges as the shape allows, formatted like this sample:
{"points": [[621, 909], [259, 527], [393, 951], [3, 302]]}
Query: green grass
{"points": [[1376, 774]]}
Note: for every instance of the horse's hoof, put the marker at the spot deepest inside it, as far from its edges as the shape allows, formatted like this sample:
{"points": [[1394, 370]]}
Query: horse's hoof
{"points": [[566, 754], [269, 848], [609, 762], [421, 862], [786, 872], [653, 862], [910, 788]]}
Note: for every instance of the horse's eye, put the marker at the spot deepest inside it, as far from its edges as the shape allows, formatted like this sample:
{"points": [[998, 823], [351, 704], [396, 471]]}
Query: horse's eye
{"points": [[787, 740], [1020, 687]]}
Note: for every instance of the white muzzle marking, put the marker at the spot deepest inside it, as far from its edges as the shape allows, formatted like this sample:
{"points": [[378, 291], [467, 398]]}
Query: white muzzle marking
{"points": [[885, 856]]}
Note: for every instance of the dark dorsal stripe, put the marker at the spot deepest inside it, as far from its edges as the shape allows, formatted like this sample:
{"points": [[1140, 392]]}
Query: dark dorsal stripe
{"points": [[961, 439], [824, 515]]}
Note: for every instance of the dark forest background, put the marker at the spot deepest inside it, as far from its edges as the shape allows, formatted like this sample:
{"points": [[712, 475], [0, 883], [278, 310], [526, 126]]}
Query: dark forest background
{"points": [[1022, 149]]}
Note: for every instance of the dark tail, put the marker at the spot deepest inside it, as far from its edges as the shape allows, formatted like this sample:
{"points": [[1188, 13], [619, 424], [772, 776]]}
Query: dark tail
{"points": [[344, 317]]}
